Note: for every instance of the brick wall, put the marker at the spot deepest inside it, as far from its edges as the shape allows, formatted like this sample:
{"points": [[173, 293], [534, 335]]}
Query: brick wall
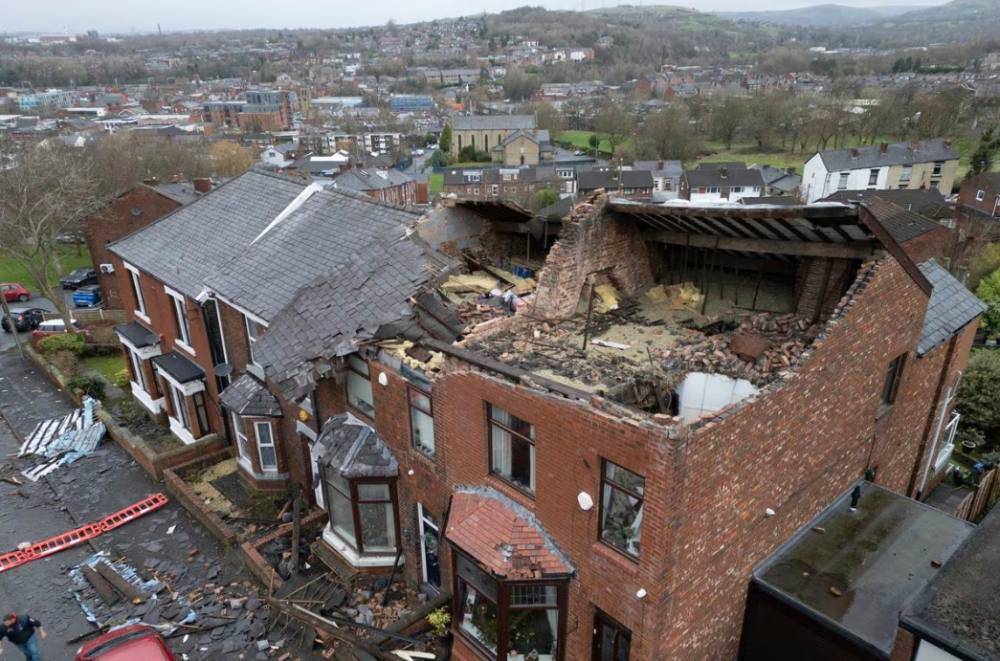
{"points": [[128, 213], [937, 243], [590, 244]]}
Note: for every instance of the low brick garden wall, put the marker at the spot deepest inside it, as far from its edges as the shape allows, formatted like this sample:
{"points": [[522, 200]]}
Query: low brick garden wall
{"points": [[255, 561], [192, 502]]}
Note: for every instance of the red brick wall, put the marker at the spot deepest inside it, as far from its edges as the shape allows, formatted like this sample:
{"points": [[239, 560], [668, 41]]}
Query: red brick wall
{"points": [[938, 243], [967, 194], [116, 221]]}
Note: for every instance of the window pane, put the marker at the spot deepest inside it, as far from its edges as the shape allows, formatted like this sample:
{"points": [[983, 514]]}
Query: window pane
{"points": [[264, 433], [357, 363], [268, 458], [624, 477], [420, 400], [423, 430], [533, 634], [513, 458], [621, 524], [533, 595], [378, 526], [479, 616], [476, 577], [512, 422], [359, 393], [341, 516], [373, 492]]}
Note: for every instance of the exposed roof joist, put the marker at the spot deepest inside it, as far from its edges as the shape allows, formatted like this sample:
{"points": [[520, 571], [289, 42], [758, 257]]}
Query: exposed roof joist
{"points": [[852, 250]]}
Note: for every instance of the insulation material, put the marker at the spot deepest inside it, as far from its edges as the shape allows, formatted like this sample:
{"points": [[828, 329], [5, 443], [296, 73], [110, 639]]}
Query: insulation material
{"points": [[683, 296], [478, 282], [704, 394], [607, 298]]}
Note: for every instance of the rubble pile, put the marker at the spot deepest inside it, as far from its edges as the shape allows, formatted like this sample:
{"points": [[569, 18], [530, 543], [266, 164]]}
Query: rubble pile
{"points": [[760, 348]]}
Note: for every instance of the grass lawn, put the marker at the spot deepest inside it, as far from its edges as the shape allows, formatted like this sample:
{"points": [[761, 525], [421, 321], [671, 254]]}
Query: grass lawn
{"points": [[471, 164], [435, 183], [12, 271], [107, 366]]}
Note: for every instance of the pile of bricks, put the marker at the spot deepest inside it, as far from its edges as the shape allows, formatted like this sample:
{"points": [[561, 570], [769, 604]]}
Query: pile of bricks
{"points": [[759, 350]]}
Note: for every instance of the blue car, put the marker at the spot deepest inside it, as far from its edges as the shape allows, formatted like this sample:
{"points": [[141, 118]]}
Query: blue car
{"points": [[87, 297]]}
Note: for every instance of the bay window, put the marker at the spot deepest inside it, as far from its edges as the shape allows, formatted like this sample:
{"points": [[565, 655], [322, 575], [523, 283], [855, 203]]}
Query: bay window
{"points": [[359, 386], [179, 406], [265, 446], [516, 621], [512, 448], [362, 512], [622, 493]]}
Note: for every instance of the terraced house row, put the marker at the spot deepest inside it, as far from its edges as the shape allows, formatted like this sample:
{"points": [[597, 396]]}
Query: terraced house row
{"points": [[587, 430]]}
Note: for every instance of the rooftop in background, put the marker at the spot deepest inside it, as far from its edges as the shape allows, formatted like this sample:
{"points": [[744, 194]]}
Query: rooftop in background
{"points": [[928, 202], [493, 122], [960, 607], [876, 558], [899, 153]]}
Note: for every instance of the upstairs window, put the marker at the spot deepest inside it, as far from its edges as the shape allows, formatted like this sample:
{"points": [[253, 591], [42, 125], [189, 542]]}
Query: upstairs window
{"points": [[622, 495], [893, 375], [906, 174], [140, 304], [938, 166], [512, 448], [873, 177], [842, 180], [255, 331], [980, 194], [421, 421], [359, 386], [180, 318]]}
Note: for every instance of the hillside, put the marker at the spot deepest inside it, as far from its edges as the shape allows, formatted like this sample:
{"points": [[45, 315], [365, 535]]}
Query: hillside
{"points": [[955, 12], [827, 15]]}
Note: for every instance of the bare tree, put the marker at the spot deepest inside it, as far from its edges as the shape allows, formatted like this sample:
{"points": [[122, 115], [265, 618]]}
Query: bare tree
{"points": [[728, 118], [49, 189]]}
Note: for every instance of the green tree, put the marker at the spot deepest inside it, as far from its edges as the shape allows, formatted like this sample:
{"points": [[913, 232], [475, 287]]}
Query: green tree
{"points": [[594, 141], [445, 142], [989, 292], [979, 393], [982, 158]]}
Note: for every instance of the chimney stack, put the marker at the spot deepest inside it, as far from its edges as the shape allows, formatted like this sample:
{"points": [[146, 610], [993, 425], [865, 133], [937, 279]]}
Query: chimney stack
{"points": [[177, 177], [723, 172], [203, 185], [947, 142], [151, 181], [883, 147], [854, 152]]}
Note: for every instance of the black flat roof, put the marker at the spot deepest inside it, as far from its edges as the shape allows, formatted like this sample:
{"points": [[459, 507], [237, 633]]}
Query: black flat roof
{"points": [[137, 334], [877, 557], [179, 367], [960, 608]]}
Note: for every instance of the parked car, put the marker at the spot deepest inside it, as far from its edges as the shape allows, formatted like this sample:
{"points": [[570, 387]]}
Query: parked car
{"points": [[25, 319], [87, 297], [57, 326], [136, 642], [78, 278], [13, 291]]}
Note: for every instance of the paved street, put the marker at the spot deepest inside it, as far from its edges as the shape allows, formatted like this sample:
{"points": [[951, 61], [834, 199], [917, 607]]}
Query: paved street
{"points": [[87, 490]]}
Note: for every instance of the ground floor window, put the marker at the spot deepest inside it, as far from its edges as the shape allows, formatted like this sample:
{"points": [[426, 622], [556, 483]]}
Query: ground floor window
{"points": [[362, 512], [516, 621], [179, 405], [138, 374], [242, 444], [612, 641], [430, 539]]}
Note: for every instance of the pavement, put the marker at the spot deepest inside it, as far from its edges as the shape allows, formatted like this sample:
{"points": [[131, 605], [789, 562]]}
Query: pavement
{"points": [[87, 490]]}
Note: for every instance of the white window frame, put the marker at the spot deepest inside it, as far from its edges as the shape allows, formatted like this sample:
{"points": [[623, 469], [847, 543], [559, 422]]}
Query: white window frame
{"points": [[179, 406], [424, 523], [260, 455], [251, 340], [137, 370], [980, 195], [181, 323], [842, 180], [137, 290], [241, 441]]}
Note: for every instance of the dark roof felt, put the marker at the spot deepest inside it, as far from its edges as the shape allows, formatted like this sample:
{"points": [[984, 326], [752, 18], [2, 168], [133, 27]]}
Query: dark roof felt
{"points": [[878, 557], [902, 224], [137, 335], [960, 607], [248, 396], [179, 367], [353, 449], [951, 307]]}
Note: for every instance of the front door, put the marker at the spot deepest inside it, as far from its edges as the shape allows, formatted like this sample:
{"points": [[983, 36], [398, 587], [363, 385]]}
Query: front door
{"points": [[429, 543], [611, 640]]}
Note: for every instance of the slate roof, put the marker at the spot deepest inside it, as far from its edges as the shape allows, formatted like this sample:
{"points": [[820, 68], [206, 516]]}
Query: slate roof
{"points": [[137, 335], [492, 122], [353, 449], [502, 535], [365, 296], [713, 176], [951, 307], [925, 201], [593, 179], [179, 367], [328, 229], [878, 557], [360, 180], [899, 153], [183, 247], [666, 169], [902, 224], [961, 605], [779, 200], [248, 396]]}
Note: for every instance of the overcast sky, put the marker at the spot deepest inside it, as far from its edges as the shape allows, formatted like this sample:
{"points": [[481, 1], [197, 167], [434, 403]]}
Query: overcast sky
{"points": [[73, 16]]}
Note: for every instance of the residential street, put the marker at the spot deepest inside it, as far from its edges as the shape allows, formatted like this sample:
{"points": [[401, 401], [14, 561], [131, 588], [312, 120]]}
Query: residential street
{"points": [[85, 491]]}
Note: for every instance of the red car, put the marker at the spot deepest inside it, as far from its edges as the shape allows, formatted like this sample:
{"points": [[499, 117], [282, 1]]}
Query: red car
{"points": [[13, 291], [136, 642]]}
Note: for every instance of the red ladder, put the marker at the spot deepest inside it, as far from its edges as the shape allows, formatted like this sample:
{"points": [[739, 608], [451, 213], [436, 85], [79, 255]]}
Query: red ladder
{"points": [[80, 535]]}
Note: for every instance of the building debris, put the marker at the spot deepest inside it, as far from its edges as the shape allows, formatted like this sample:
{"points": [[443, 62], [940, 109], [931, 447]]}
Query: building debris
{"points": [[63, 440]]}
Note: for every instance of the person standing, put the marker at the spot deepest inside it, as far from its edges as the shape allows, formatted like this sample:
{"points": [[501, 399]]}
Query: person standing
{"points": [[20, 630]]}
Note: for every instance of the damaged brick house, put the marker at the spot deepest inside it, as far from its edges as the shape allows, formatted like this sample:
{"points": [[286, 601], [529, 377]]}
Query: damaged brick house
{"points": [[678, 390]]}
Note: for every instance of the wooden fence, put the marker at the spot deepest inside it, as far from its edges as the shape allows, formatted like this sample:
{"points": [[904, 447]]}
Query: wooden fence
{"points": [[986, 494]]}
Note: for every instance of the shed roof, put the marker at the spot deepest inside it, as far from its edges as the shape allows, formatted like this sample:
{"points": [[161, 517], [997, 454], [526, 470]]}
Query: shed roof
{"points": [[354, 449], [877, 557]]}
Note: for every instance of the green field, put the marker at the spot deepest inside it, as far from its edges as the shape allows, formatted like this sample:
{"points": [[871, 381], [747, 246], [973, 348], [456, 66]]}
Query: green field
{"points": [[435, 183], [581, 140], [12, 271]]}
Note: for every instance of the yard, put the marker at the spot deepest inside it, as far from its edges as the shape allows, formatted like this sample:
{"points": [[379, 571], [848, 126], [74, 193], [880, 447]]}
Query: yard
{"points": [[107, 366], [12, 271], [435, 183]]}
